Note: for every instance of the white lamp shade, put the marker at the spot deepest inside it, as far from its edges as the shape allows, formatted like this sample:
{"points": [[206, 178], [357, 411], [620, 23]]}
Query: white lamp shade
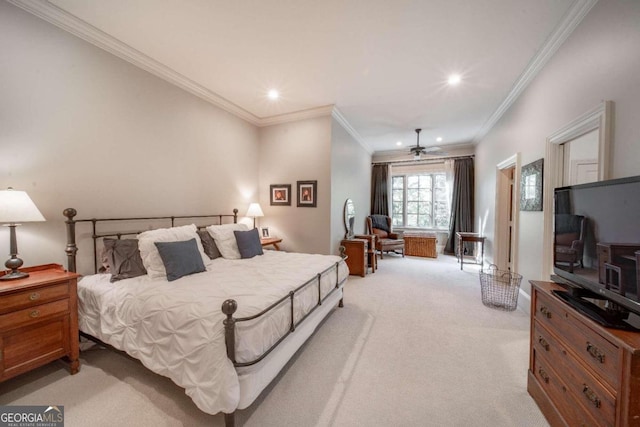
{"points": [[254, 210], [16, 206]]}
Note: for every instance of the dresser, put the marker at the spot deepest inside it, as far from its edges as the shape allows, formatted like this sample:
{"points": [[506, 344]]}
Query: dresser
{"points": [[581, 373], [356, 252], [38, 320]]}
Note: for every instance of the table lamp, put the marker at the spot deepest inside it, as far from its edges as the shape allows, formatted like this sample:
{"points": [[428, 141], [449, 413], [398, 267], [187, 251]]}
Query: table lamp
{"points": [[255, 211], [16, 207]]}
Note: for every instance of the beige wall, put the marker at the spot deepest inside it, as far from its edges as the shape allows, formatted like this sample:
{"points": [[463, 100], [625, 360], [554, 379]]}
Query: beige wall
{"points": [[291, 152], [600, 61], [350, 178], [81, 128]]}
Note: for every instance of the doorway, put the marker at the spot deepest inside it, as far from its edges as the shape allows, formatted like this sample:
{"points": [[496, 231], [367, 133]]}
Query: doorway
{"points": [[507, 213], [562, 167]]}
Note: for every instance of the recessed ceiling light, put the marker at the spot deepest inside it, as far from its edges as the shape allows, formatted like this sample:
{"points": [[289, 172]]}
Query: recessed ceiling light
{"points": [[439, 139], [399, 143], [454, 79], [273, 94]]}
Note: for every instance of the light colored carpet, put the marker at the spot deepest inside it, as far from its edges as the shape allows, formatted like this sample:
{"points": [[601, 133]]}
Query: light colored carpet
{"points": [[413, 346]]}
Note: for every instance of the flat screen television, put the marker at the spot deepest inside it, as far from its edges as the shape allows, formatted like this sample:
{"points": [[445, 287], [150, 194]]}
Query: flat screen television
{"points": [[597, 249]]}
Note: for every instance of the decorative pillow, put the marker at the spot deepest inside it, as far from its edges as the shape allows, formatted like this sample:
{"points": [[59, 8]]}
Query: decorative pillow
{"points": [[248, 243], [149, 252], [226, 240], [209, 244], [180, 258], [124, 258]]}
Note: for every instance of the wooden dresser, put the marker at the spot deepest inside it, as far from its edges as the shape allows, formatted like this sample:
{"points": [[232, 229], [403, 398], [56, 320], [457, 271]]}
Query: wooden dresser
{"points": [[581, 373], [38, 320], [356, 251]]}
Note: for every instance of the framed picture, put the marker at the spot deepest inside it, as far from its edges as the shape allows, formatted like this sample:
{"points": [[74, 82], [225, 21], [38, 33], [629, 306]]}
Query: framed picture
{"points": [[280, 194], [531, 186], [265, 232], [307, 194]]}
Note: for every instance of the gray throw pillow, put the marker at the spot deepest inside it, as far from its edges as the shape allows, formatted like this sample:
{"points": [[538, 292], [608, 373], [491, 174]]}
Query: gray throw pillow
{"points": [[248, 243], [180, 258], [209, 244], [124, 258]]}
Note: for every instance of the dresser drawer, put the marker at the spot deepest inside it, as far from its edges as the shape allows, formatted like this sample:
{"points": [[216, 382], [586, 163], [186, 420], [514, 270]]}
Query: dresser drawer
{"points": [[594, 350], [33, 297], [33, 314], [560, 393]]}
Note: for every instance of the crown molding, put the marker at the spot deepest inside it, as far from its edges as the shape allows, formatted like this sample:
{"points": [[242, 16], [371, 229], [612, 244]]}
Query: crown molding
{"points": [[310, 113], [572, 19], [339, 117]]}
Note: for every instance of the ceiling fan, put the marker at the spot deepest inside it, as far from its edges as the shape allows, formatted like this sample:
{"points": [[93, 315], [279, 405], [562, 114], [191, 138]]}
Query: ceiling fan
{"points": [[418, 150]]}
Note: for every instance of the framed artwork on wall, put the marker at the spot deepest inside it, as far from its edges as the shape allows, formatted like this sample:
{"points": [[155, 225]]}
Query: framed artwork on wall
{"points": [[307, 194], [280, 194], [531, 186]]}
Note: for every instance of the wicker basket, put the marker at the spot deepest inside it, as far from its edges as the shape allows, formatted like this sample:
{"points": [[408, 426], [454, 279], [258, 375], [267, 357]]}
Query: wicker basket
{"points": [[500, 288]]}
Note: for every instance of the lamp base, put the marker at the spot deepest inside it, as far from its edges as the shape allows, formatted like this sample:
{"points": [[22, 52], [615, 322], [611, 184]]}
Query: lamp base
{"points": [[15, 274]]}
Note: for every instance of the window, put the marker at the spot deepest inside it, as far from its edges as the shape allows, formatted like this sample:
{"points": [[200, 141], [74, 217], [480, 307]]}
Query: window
{"points": [[420, 200]]}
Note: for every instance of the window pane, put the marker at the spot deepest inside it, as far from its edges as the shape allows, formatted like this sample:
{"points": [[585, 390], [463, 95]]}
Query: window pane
{"points": [[426, 204]]}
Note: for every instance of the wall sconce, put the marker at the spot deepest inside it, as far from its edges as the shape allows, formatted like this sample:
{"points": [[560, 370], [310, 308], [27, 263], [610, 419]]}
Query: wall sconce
{"points": [[16, 207], [254, 211]]}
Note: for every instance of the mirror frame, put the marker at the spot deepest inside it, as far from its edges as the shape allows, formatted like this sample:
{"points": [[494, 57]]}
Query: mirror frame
{"points": [[346, 215]]}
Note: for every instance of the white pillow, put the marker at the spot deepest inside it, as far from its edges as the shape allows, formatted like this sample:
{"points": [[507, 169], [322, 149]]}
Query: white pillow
{"points": [[226, 240], [149, 252]]}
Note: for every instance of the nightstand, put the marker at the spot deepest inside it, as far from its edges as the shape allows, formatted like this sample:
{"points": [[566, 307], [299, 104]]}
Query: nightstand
{"points": [[356, 252], [38, 320], [275, 241], [372, 257]]}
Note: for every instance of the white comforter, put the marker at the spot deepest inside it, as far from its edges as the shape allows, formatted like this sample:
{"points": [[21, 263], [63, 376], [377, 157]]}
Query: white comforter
{"points": [[176, 330]]}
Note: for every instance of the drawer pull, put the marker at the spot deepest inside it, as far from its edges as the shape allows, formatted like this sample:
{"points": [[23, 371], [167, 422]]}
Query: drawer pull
{"points": [[595, 352], [543, 343], [593, 398], [34, 313], [545, 311], [543, 375], [34, 296]]}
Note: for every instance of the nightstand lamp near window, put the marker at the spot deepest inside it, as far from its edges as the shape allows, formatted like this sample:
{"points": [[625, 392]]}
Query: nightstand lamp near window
{"points": [[16, 207], [254, 211]]}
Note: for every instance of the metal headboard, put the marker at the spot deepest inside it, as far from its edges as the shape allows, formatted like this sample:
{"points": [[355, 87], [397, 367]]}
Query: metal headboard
{"points": [[72, 247]]}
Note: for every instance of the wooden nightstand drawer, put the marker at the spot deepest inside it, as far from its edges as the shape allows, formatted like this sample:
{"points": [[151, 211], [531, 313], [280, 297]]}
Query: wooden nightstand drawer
{"points": [[33, 314], [33, 297], [33, 346]]}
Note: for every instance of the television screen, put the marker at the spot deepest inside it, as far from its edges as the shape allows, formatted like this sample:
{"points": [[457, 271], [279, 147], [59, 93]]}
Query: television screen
{"points": [[597, 239]]}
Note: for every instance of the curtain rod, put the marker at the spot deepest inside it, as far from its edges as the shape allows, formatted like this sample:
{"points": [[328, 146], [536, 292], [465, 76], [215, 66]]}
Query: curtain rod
{"points": [[424, 161]]}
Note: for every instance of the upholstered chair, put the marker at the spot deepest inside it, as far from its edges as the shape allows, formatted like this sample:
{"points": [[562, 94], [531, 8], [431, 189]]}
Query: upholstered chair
{"points": [[387, 240], [569, 240]]}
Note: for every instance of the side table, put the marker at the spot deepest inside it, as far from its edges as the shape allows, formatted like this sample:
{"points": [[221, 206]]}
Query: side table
{"points": [[469, 237], [372, 256], [275, 241]]}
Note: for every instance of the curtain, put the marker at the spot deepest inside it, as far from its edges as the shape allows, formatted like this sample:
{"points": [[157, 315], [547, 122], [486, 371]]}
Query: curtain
{"points": [[380, 189], [462, 201]]}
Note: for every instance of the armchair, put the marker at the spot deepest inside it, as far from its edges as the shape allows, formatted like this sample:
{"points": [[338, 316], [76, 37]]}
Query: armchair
{"points": [[387, 240], [569, 240]]}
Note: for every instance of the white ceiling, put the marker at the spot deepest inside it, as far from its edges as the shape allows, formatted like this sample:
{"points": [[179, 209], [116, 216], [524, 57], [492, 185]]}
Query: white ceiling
{"points": [[383, 64]]}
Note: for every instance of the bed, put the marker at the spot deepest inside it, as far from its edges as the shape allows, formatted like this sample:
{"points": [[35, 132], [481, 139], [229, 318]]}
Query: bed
{"points": [[222, 333]]}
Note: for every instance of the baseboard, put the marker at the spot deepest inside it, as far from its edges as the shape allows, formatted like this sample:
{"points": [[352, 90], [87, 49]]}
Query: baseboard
{"points": [[524, 301]]}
